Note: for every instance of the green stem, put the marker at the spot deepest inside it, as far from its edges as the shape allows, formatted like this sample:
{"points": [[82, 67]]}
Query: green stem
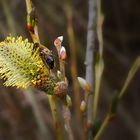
{"points": [[33, 29], [72, 45], [131, 74], [56, 117], [102, 128], [29, 6], [99, 66]]}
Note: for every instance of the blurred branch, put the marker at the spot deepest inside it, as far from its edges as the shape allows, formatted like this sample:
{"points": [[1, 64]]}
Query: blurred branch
{"points": [[114, 103], [32, 21], [9, 16], [109, 117], [127, 118], [103, 126], [99, 65], [131, 74], [122, 113], [41, 125], [72, 44], [56, 117], [90, 59], [67, 118]]}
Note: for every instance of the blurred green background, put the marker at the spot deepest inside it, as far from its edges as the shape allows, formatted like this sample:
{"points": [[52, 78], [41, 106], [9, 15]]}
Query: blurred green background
{"points": [[27, 116]]}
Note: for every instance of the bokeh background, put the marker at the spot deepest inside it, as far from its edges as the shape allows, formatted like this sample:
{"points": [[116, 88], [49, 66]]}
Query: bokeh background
{"points": [[27, 115]]}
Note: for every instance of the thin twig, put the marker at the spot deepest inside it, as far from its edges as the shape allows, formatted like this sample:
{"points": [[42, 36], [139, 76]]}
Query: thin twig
{"points": [[99, 65], [90, 59], [29, 6], [56, 117], [131, 74], [67, 118], [32, 21], [65, 108], [103, 126], [72, 44], [44, 132]]}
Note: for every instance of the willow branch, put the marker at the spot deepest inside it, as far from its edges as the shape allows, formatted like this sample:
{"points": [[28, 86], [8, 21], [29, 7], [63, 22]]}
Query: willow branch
{"points": [[32, 21], [113, 108], [33, 29], [67, 119], [72, 44], [56, 117], [90, 58], [103, 126], [131, 74], [65, 107], [99, 65]]}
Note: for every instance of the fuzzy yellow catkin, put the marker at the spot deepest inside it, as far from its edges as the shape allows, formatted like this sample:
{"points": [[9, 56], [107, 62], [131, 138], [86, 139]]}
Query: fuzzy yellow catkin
{"points": [[20, 65]]}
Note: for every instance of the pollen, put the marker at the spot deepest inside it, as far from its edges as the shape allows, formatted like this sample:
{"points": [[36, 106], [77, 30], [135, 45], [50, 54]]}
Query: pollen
{"points": [[20, 65]]}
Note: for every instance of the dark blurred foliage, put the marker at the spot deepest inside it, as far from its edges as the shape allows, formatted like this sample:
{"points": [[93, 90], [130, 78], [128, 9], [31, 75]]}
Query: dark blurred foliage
{"points": [[121, 34]]}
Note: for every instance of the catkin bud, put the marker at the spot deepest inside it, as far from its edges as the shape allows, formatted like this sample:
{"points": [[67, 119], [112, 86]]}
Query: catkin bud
{"points": [[62, 54], [58, 42], [84, 84], [60, 38], [83, 106], [68, 100], [59, 74]]}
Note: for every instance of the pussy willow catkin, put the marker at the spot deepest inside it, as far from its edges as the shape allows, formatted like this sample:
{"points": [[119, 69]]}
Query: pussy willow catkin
{"points": [[20, 65]]}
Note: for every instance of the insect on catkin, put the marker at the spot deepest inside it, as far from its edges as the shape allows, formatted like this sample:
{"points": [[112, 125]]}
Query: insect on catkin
{"points": [[21, 65]]}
